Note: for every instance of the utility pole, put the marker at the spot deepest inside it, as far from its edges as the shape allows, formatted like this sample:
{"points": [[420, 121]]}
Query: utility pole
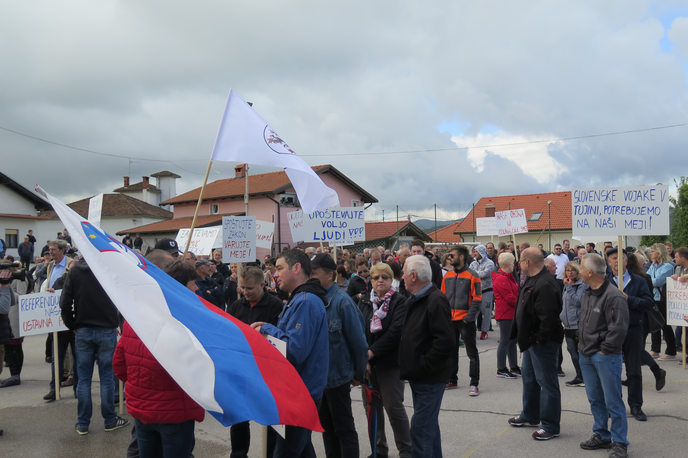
{"points": [[549, 224], [435, 223]]}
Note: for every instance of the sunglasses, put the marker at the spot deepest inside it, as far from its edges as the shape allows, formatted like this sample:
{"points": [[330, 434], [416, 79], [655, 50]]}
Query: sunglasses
{"points": [[363, 271], [383, 276]]}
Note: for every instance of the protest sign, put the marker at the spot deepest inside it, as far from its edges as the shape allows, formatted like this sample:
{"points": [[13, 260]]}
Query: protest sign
{"points": [[677, 302], [295, 220], [486, 226], [337, 224], [39, 313], [202, 240], [511, 222], [264, 234], [617, 211], [95, 209], [238, 239]]}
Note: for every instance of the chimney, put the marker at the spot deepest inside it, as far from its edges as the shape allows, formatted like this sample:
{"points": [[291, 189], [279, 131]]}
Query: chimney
{"points": [[240, 171], [126, 182], [146, 183], [489, 211]]}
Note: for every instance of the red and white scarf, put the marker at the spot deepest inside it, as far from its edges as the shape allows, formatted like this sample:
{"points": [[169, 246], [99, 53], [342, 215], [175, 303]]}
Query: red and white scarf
{"points": [[379, 311]]}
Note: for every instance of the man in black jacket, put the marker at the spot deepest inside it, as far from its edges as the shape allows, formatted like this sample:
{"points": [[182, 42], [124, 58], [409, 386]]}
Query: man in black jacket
{"points": [[255, 305], [538, 328], [425, 352], [94, 319], [639, 301]]}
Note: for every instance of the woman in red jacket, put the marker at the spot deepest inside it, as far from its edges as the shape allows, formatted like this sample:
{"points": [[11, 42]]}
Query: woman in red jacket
{"points": [[506, 295], [164, 413]]}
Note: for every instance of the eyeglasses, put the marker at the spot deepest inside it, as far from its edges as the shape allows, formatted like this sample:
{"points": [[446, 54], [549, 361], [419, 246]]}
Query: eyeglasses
{"points": [[383, 276], [363, 271]]}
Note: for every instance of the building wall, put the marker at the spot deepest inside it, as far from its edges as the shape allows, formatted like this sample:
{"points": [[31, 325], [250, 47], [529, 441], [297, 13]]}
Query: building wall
{"points": [[13, 203], [22, 226]]}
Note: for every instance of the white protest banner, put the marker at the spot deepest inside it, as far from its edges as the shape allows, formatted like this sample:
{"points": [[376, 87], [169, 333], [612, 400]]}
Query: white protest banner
{"points": [[95, 209], [238, 239], [511, 222], [202, 240], [264, 234], [334, 225], [677, 302], [296, 225], [630, 210], [39, 313], [486, 226]]}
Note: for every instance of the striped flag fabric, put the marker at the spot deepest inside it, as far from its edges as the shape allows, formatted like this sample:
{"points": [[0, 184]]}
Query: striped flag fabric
{"points": [[221, 363]]}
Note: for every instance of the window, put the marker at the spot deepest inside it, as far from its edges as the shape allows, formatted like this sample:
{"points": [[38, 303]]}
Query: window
{"points": [[214, 209], [11, 238], [355, 203], [535, 216]]}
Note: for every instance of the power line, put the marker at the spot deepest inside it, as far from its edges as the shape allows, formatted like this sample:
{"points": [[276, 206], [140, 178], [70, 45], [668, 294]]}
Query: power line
{"points": [[499, 145]]}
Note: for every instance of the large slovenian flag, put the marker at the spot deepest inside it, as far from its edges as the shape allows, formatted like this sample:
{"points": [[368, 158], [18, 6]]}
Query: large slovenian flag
{"points": [[223, 364]]}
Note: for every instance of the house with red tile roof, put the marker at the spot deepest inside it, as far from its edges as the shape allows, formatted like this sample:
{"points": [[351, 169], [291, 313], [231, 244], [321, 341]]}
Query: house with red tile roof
{"points": [[271, 197], [548, 216], [390, 234]]}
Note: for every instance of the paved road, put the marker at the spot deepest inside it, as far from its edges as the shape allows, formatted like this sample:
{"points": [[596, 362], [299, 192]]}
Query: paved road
{"points": [[471, 426]]}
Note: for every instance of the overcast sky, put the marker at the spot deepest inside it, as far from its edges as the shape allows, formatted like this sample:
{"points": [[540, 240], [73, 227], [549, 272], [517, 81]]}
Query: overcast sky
{"points": [[341, 81]]}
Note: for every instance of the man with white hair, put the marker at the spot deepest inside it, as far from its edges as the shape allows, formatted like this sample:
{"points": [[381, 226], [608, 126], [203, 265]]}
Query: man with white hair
{"points": [[602, 329], [311, 252], [425, 351]]}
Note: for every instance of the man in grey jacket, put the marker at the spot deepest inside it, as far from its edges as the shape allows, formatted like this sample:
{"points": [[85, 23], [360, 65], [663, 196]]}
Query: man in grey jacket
{"points": [[601, 333]]}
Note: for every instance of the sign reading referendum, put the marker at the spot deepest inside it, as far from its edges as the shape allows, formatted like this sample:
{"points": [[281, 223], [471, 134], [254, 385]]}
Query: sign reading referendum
{"points": [[238, 239], [631, 210], [511, 222], [39, 313], [336, 224], [202, 240], [677, 302], [486, 226]]}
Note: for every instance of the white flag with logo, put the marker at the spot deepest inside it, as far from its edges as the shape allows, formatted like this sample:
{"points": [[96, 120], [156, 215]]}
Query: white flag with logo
{"points": [[245, 137]]}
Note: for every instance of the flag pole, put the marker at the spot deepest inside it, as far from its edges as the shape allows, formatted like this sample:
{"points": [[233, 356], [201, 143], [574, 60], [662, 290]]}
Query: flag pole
{"points": [[198, 205]]}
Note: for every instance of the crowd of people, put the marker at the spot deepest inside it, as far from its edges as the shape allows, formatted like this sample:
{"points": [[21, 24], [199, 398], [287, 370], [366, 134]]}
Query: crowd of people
{"points": [[374, 319]]}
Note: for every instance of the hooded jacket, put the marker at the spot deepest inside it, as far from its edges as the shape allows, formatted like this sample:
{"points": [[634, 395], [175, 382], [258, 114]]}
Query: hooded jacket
{"points": [[505, 295], [303, 326], [570, 312], [92, 306], [484, 268]]}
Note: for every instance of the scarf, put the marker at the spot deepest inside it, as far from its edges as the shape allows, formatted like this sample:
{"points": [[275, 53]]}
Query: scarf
{"points": [[379, 311]]}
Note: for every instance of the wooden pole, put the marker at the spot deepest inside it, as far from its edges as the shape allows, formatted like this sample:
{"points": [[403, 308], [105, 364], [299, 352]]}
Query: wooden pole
{"points": [[198, 205], [121, 398], [264, 440], [334, 248], [56, 363]]}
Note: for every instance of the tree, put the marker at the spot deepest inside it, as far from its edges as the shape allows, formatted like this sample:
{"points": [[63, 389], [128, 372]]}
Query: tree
{"points": [[679, 217]]}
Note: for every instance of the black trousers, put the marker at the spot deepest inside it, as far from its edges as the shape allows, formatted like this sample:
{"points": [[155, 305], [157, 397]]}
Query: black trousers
{"points": [[633, 356], [14, 356], [340, 437], [668, 332], [240, 437], [468, 331]]}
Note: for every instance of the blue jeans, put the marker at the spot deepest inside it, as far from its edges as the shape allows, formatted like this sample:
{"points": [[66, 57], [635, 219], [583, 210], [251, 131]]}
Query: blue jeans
{"points": [[92, 344], [541, 393], [602, 375], [173, 440], [425, 426]]}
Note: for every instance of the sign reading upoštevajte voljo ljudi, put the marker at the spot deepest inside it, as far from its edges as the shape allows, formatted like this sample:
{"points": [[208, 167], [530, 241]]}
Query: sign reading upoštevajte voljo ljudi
{"points": [[337, 224], [677, 302], [615, 211], [238, 239], [511, 222], [40, 313]]}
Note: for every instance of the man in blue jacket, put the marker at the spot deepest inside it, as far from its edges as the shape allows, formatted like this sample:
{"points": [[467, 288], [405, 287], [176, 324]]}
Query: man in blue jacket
{"points": [[303, 326], [348, 359]]}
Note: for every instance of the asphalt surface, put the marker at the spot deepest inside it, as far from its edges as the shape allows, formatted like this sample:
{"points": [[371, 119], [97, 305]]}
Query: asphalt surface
{"points": [[470, 426]]}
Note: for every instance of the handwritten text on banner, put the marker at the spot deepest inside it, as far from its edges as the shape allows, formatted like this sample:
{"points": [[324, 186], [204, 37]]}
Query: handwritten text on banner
{"points": [[677, 302], [486, 226], [335, 225], [511, 222], [39, 313], [202, 240], [238, 238], [632, 210]]}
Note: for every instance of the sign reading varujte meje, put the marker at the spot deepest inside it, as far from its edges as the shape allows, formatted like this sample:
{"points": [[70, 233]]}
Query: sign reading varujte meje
{"points": [[511, 222], [677, 302], [238, 239], [40, 313], [629, 210], [337, 224]]}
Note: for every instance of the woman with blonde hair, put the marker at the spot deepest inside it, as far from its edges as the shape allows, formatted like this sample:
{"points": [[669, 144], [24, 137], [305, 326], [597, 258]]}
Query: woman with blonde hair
{"points": [[506, 295], [660, 269]]}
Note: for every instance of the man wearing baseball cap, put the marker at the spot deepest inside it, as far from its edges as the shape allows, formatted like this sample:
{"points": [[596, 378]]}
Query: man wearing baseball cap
{"points": [[168, 245]]}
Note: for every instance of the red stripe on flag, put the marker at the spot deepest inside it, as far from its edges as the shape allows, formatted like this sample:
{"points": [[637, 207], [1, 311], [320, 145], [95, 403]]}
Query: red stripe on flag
{"points": [[294, 403]]}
